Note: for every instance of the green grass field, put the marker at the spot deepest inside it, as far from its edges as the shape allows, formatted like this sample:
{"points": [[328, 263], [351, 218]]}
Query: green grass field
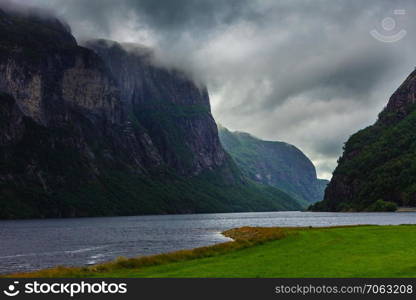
{"points": [[359, 251]]}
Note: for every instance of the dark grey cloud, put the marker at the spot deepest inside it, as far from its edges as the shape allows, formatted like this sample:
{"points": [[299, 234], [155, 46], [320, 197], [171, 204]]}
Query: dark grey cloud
{"points": [[306, 72], [171, 18]]}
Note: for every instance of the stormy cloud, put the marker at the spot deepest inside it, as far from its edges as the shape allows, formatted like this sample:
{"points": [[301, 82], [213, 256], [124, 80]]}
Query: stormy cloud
{"points": [[300, 71]]}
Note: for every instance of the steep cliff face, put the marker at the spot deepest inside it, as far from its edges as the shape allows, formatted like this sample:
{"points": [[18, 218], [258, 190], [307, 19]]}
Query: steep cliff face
{"points": [[64, 111], [378, 165], [58, 84], [91, 132], [276, 164], [42, 67], [172, 109]]}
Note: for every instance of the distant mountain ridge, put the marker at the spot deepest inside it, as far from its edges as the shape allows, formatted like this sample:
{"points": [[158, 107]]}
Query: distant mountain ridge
{"points": [[377, 170], [276, 164], [103, 131]]}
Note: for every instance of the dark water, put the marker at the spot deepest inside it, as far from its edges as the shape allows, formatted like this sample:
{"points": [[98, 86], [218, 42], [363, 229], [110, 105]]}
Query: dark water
{"points": [[35, 244]]}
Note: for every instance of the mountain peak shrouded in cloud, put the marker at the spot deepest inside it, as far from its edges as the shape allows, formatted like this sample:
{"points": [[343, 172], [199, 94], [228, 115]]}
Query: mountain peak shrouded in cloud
{"points": [[34, 13], [306, 72]]}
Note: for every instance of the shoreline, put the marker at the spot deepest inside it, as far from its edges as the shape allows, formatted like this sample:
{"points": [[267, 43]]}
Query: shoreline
{"points": [[241, 238], [406, 209]]}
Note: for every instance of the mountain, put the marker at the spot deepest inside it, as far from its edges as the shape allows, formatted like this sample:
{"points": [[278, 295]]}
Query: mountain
{"points": [[105, 131], [276, 164], [167, 106], [377, 170]]}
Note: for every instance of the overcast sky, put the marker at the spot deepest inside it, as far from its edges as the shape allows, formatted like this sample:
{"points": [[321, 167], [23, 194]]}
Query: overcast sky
{"points": [[307, 72]]}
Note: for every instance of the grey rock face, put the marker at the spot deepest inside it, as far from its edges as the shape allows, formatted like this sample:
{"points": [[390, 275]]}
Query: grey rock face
{"points": [[402, 102], [170, 107]]}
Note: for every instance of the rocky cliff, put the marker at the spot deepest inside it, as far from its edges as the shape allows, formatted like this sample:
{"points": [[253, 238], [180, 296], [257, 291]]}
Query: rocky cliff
{"points": [[377, 170], [276, 164], [103, 131], [169, 106]]}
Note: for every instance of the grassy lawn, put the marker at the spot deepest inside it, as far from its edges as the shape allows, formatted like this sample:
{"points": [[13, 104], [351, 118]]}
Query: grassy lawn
{"points": [[360, 251]]}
